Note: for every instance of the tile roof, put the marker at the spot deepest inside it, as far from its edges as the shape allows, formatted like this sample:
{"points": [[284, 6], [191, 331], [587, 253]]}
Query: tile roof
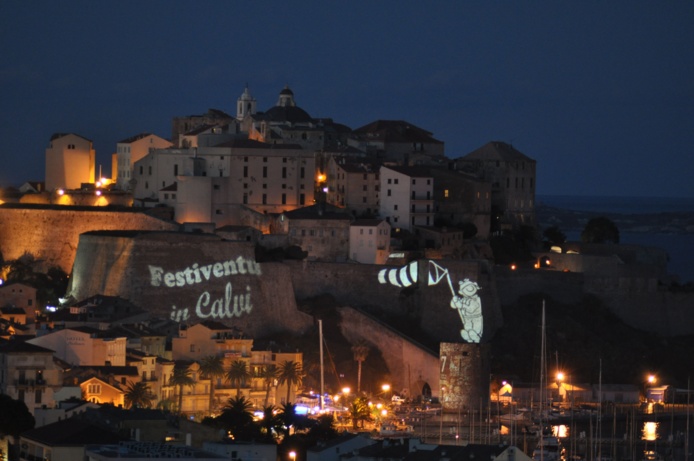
{"points": [[132, 139], [497, 150], [71, 432]]}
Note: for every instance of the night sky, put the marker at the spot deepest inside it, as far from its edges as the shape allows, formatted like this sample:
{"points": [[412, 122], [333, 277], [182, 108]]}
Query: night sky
{"points": [[600, 93]]}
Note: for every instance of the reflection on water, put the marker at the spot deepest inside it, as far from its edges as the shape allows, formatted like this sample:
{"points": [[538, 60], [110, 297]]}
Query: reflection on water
{"points": [[561, 431], [649, 431]]}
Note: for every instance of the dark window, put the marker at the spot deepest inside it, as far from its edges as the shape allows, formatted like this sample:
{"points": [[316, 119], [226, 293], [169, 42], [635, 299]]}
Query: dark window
{"points": [[264, 199], [284, 171], [264, 171], [245, 198], [284, 199], [302, 199], [176, 170], [302, 173], [245, 171]]}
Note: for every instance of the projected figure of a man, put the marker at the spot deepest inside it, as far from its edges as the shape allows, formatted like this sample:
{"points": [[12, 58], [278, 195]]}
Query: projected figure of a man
{"points": [[469, 308]]}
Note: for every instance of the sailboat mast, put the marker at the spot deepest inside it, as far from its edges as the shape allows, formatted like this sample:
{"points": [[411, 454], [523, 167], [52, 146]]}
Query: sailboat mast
{"points": [[322, 382]]}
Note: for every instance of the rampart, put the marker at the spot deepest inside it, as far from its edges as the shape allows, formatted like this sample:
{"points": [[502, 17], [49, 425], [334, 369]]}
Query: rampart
{"points": [[189, 278], [51, 233]]}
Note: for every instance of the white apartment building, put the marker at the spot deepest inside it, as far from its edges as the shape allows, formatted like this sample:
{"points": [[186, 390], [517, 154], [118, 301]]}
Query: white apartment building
{"points": [[407, 197], [132, 149], [84, 346], [70, 162], [369, 241]]}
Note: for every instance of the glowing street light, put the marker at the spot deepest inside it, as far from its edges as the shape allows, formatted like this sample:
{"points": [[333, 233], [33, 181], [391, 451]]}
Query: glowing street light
{"points": [[292, 455]]}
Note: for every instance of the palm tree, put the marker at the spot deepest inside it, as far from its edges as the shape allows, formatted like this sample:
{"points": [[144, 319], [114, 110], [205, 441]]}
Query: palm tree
{"points": [[271, 423], [237, 416], [138, 395], [212, 367], [360, 351], [287, 417], [359, 412], [290, 372], [238, 374], [181, 377], [269, 375]]}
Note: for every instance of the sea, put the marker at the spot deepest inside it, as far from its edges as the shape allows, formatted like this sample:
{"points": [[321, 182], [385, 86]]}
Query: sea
{"points": [[679, 246]]}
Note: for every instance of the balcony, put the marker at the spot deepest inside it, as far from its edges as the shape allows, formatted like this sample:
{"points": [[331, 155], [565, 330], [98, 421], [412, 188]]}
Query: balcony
{"points": [[29, 383]]}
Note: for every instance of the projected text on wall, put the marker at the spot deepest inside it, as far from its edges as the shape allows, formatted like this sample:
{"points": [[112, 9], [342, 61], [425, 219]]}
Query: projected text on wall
{"points": [[234, 302]]}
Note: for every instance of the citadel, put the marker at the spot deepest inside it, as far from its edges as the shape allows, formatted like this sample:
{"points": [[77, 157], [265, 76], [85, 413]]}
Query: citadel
{"points": [[239, 218]]}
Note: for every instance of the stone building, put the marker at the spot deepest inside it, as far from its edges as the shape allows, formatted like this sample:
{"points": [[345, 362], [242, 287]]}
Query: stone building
{"points": [[19, 295], [512, 177], [461, 199], [397, 140], [320, 230], [29, 373], [369, 241], [407, 196], [132, 149], [353, 184], [215, 184], [70, 162]]}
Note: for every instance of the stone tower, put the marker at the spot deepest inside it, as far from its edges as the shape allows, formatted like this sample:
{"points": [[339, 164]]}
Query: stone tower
{"points": [[464, 375]]}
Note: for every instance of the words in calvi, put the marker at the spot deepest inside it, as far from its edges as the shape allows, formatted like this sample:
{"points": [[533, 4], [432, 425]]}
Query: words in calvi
{"points": [[232, 304]]}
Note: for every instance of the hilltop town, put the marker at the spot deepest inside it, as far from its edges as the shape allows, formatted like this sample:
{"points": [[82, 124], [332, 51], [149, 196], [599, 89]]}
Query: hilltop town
{"points": [[200, 271]]}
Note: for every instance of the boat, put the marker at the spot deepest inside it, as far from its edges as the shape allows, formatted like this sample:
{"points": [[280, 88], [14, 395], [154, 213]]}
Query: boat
{"points": [[650, 455], [549, 448], [390, 429]]}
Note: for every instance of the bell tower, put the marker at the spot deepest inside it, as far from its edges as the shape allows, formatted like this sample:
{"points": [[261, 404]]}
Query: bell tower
{"points": [[245, 105]]}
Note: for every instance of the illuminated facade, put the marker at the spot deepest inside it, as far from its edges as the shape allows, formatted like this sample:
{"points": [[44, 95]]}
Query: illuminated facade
{"points": [[99, 391], [70, 162], [214, 184], [407, 197], [130, 150]]}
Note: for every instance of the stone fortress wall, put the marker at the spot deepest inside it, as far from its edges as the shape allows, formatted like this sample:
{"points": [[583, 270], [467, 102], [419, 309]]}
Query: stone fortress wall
{"points": [[52, 235]]}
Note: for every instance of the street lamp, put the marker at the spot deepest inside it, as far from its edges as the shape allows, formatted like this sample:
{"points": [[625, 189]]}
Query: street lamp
{"points": [[560, 380], [292, 455], [385, 388]]}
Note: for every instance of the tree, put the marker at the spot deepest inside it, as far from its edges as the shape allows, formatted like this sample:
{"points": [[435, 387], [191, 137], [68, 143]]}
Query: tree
{"points": [[360, 351], [554, 235], [359, 412], [138, 395], [600, 230], [212, 367], [181, 377], [238, 374], [237, 418], [325, 428], [288, 417], [271, 424], [290, 373], [15, 417], [269, 374]]}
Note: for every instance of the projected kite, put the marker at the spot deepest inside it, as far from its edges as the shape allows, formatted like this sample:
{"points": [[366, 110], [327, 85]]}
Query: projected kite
{"points": [[466, 300]]}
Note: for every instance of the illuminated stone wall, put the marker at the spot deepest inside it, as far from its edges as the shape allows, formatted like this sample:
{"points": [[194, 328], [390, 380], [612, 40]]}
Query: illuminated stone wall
{"points": [[411, 366], [464, 381], [189, 278], [51, 234], [428, 306]]}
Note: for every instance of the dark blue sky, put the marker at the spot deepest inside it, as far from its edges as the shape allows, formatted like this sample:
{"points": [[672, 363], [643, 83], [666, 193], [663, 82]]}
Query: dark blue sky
{"points": [[600, 93]]}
